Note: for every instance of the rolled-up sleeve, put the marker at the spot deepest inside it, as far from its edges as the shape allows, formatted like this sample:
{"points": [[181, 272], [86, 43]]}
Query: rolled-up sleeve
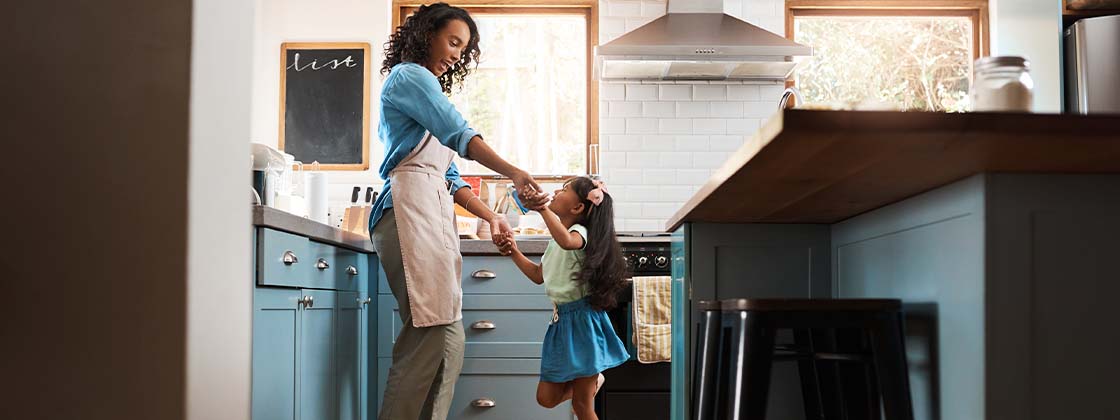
{"points": [[417, 94], [456, 181]]}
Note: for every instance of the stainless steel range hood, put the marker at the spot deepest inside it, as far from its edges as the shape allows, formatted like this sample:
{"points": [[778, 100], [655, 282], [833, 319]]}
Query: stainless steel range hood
{"points": [[697, 41]]}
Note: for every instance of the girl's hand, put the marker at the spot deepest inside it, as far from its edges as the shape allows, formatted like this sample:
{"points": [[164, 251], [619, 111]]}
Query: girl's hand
{"points": [[507, 245]]}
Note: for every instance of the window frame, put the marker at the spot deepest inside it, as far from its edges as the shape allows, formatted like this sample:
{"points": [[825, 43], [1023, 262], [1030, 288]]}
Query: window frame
{"points": [[976, 10], [587, 8]]}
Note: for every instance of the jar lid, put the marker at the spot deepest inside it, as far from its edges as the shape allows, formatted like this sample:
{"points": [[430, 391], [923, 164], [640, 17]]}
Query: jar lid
{"points": [[986, 63]]}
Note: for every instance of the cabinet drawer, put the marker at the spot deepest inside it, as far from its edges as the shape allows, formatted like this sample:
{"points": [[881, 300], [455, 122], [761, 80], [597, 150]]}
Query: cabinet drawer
{"points": [[322, 266], [495, 325], [273, 247], [351, 269], [491, 276], [511, 384]]}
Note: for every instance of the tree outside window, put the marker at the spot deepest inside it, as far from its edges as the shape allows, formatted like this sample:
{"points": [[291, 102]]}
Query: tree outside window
{"points": [[896, 54]]}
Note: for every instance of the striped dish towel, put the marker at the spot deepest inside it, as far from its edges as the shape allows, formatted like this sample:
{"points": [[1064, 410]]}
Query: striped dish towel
{"points": [[652, 314]]}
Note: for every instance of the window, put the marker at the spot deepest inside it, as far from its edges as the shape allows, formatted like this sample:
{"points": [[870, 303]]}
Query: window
{"points": [[531, 93], [908, 54]]}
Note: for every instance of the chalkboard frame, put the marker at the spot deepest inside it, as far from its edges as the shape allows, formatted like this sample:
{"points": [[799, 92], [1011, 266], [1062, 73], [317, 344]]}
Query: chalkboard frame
{"points": [[284, 47]]}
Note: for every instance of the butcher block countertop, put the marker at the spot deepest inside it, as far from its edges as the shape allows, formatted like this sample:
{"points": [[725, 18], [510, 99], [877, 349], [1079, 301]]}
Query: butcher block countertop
{"points": [[826, 166]]}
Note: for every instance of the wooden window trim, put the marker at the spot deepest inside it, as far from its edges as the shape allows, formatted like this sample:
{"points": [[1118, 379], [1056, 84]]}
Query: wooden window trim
{"points": [[977, 10], [588, 8]]}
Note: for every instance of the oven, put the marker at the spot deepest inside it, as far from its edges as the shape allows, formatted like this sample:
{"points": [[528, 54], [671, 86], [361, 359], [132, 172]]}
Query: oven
{"points": [[636, 390]]}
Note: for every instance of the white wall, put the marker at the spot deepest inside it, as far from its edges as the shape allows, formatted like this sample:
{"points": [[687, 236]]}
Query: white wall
{"points": [[219, 293], [280, 21], [1032, 29], [661, 141]]}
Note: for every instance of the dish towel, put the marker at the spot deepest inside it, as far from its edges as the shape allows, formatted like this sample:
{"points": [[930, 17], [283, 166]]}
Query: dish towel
{"points": [[652, 314]]}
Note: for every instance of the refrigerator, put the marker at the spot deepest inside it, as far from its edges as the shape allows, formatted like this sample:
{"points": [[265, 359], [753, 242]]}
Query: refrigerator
{"points": [[1092, 66]]}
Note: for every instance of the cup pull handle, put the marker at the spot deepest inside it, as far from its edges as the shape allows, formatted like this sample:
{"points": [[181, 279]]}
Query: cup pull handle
{"points": [[484, 274], [483, 325], [484, 403]]}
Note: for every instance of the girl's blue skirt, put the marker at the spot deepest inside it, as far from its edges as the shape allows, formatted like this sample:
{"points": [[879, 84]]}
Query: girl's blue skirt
{"points": [[580, 342]]}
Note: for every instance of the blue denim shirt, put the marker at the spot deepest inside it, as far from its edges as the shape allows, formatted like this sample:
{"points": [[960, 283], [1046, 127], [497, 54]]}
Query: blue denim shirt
{"points": [[412, 103]]}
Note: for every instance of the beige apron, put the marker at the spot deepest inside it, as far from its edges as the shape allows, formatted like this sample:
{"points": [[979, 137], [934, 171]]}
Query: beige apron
{"points": [[425, 214]]}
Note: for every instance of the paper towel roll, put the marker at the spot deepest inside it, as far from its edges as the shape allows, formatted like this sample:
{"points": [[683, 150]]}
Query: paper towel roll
{"points": [[317, 196]]}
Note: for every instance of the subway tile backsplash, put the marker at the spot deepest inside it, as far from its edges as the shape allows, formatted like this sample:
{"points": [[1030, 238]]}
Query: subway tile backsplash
{"points": [[662, 140], [661, 143]]}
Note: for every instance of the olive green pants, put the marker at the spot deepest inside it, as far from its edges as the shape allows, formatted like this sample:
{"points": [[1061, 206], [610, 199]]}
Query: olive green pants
{"points": [[426, 361]]}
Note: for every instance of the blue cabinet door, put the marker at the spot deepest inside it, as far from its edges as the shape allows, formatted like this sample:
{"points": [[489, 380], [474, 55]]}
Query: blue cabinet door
{"points": [[348, 351], [276, 321], [318, 392], [364, 356]]}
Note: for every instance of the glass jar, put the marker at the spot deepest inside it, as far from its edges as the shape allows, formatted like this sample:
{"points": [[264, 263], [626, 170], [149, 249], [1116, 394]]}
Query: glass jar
{"points": [[1002, 84]]}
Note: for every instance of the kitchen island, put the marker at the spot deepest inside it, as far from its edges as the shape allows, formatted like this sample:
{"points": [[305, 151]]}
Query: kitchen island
{"points": [[998, 232]]}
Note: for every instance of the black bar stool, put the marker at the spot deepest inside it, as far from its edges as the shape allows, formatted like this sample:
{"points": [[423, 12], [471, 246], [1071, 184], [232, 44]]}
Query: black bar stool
{"points": [[850, 356]]}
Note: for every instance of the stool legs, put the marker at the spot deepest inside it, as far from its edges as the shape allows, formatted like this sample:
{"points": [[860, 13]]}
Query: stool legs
{"points": [[809, 375], [705, 371], [852, 364], [888, 350], [752, 351]]}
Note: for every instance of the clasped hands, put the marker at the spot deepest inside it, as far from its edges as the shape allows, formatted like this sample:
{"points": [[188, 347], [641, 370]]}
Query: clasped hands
{"points": [[500, 231]]}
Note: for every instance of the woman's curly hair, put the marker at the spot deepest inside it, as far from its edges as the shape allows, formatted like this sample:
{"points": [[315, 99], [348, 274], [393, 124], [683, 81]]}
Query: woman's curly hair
{"points": [[412, 40]]}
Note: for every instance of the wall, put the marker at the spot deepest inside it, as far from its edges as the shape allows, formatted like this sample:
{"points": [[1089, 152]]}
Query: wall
{"points": [[1032, 29], [280, 21], [93, 260], [661, 141], [219, 293]]}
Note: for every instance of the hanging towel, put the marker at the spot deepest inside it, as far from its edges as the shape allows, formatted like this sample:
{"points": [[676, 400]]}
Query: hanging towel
{"points": [[652, 314]]}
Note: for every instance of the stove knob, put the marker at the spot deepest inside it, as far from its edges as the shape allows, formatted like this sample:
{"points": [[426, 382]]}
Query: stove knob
{"points": [[642, 261], [661, 262]]}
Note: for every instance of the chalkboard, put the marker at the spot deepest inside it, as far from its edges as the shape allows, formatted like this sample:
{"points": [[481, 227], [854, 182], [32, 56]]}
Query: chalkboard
{"points": [[324, 104]]}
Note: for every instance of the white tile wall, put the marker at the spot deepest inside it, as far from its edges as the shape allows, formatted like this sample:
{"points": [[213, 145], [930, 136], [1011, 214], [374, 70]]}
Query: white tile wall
{"points": [[663, 140]]}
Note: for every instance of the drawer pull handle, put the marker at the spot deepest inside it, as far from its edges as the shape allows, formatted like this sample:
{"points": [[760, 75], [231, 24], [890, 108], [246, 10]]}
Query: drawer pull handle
{"points": [[307, 301], [322, 264], [289, 258], [484, 274], [351, 270], [483, 325], [365, 301], [484, 403]]}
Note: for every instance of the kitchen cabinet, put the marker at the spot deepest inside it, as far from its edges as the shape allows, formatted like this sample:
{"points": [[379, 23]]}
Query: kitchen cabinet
{"points": [[504, 319], [310, 345]]}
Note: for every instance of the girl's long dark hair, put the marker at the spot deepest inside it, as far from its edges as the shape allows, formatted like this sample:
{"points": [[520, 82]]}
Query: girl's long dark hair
{"points": [[604, 270], [411, 42]]}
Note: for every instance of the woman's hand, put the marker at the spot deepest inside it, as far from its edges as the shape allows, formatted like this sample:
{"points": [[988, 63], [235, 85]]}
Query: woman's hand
{"points": [[500, 230], [524, 182], [529, 192]]}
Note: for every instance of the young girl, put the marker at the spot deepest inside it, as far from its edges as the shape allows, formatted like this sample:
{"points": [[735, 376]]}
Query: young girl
{"points": [[583, 272]]}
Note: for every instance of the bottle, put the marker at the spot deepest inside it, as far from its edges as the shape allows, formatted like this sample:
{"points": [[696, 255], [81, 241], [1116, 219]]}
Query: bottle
{"points": [[1002, 84]]}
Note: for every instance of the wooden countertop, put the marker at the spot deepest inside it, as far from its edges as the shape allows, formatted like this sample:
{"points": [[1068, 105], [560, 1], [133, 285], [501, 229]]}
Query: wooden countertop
{"points": [[826, 166]]}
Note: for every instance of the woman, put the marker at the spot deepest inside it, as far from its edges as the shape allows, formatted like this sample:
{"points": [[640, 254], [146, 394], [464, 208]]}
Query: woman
{"points": [[412, 224]]}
